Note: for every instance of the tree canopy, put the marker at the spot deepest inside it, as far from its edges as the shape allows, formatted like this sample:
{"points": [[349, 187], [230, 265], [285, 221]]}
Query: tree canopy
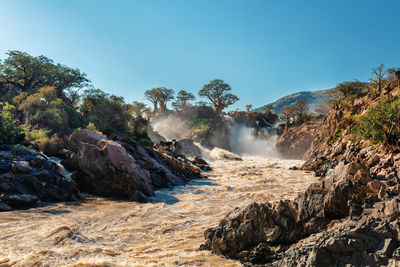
{"points": [[217, 91], [21, 72], [182, 100], [351, 88], [159, 97]]}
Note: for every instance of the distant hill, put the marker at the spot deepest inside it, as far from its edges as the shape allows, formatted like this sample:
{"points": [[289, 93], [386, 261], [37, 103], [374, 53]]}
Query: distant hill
{"points": [[314, 99]]}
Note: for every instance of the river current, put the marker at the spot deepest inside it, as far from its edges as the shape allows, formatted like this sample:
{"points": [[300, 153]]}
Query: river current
{"points": [[166, 232]]}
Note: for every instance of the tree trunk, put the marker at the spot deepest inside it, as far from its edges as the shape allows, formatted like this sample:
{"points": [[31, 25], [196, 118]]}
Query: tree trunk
{"points": [[218, 111]]}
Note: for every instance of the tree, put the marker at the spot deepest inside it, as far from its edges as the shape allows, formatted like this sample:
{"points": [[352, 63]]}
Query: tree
{"points": [[182, 100], [288, 114], [268, 109], [350, 88], [137, 109], [21, 72], [152, 96], [164, 96], [217, 92], [248, 108], [159, 96], [108, 113], [377, 79], [46, 110], [300, 107]]}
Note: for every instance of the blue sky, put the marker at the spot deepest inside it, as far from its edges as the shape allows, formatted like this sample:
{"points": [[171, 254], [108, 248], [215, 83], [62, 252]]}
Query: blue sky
{"points": [[263, 49]]}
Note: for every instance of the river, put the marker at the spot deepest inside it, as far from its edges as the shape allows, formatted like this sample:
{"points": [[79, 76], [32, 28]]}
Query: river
{"points": [[166, 232]]}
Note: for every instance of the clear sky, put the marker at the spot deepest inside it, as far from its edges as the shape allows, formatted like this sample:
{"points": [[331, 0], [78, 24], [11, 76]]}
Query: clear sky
{"points": [[264, 49]]}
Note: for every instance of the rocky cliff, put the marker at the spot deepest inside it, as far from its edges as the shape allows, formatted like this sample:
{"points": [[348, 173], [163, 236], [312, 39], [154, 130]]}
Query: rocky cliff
{"points": [[349, 218], [296, 140], [124, 170]]}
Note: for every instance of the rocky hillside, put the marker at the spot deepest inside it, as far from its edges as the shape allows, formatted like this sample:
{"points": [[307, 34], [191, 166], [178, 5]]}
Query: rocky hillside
{"points": [[349, 218], [314, 99]]}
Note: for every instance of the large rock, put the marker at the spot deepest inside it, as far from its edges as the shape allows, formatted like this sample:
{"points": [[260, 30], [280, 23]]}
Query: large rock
{"points": [[347, 218], [28, 178], [130, 171], [296, 140]]}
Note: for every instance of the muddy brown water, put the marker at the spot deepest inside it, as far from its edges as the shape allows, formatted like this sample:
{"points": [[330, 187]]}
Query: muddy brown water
{"points": [[166, 232]]}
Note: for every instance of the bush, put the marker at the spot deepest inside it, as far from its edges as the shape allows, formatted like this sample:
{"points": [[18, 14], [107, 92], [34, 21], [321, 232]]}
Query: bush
{"points": [[381, 124], [202, 125], [9, 132], [37, 137]]}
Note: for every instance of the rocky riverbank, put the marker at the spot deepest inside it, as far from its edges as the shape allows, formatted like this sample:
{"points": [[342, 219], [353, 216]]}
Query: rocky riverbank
{"points": [[349, 218], [99, 166], [28, 178], [166, 231]]}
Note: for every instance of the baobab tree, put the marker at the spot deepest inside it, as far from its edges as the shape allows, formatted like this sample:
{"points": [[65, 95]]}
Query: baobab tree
{"points": [[159, 97], [182, 100], [377, 79], [152, 96], [217, 92]]}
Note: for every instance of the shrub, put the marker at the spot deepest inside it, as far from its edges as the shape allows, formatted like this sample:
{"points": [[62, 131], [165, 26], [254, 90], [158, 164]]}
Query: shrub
{"points": [[9, 132], [202, 125], [381, 124]]}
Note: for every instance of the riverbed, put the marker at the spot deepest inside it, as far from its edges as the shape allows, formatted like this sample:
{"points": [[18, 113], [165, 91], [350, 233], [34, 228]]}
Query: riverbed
{"points": [[166, 232]]}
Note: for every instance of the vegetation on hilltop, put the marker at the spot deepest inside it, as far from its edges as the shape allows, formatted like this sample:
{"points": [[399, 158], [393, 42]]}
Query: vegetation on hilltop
{"points": [[41, 103]]}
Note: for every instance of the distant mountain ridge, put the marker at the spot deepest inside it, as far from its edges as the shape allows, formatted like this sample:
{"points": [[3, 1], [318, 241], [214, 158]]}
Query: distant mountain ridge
{"points": [[314, 99]]}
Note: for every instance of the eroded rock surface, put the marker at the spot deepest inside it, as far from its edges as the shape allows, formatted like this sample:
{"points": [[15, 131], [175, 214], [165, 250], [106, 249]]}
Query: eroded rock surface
{"points": [[28, 178], [296, 140], [130, 171], [349, 217]]}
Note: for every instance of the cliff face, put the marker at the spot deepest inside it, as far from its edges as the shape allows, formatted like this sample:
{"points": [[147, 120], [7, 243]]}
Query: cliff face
{"points": [[296, 140]]}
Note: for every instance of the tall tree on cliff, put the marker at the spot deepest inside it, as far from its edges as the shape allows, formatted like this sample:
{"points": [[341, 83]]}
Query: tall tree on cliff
{"points": [[377, 79], [350, 88], [164, 95], [182, 100], [21, 72], [288, 114], [301, 108], [159, 97], [217, 92], [152, 96]]}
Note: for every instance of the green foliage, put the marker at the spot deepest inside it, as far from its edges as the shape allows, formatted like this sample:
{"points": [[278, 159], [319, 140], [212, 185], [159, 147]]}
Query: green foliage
{"points": [[381, 124], [202, 125], [159, 96], [217, 91], [139, 110], [110, 115], [21, 72], [46, 110], [182, 100], [9, 132], [351, 88], [37, 137]]}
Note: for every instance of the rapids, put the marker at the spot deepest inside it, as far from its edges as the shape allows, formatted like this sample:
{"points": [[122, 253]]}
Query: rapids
{"points": [[166, 232]]}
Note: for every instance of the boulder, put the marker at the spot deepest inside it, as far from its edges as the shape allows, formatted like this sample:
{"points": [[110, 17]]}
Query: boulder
{"points": [[28, 178], [129, 171], [295, 141], [221, 154], [187, 148], [344, 220]]}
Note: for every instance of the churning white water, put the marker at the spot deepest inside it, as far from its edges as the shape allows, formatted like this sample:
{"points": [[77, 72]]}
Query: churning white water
{"points": [[166, 232]]}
